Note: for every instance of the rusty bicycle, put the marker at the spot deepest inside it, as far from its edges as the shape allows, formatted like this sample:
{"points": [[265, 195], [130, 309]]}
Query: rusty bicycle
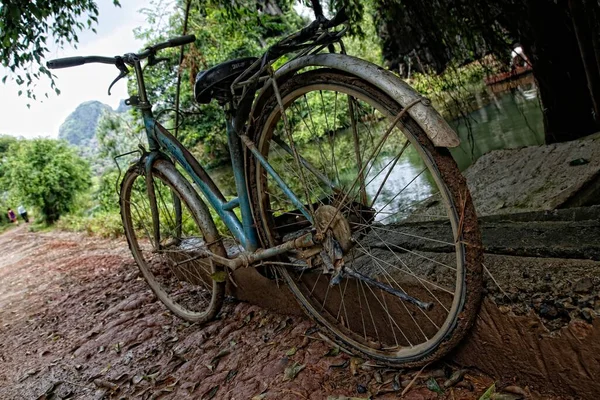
{"points": [[346, 191]]}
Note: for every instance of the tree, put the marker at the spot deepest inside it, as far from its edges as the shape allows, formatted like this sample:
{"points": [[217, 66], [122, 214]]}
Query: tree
{"points": [[27, 26], [224, 30], [46, 174], [560, 38]]}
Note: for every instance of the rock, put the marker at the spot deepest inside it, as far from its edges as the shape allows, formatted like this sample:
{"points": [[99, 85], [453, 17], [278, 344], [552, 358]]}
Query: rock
{"points": [[515, 390], [588, 314], [456, 377], [584, 285]]}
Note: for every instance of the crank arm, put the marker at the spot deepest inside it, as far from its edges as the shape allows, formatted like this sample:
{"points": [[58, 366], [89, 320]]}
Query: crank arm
{"points": [[247, 259], [398, 293]]}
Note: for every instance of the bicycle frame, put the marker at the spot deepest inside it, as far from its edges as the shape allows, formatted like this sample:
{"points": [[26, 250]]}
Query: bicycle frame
{"points": [[161, 141]]}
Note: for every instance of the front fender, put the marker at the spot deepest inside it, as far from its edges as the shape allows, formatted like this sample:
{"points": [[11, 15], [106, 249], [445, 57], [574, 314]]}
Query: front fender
{"points": [[434, 125]]}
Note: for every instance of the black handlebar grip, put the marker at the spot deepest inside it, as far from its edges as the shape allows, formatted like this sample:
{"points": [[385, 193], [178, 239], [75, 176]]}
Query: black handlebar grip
{"points": [[181, 40], [65, 62]]}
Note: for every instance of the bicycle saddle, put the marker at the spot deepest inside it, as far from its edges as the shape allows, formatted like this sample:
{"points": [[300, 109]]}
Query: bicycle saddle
{"points": [[215, 83]]}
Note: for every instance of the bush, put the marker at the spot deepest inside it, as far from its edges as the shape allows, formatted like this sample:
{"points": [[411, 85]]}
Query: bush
{"points": [[46, 174]]}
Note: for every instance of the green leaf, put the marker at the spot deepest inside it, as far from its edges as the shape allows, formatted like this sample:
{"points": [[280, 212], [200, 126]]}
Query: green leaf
{"points": [[291, 351], [292, 371], [488, 393], [219, 276], [332, 352], [433, 386]]}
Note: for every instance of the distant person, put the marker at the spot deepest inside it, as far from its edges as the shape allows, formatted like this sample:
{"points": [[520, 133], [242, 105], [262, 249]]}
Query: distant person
{"points": [[12, 216], [23, 213]]}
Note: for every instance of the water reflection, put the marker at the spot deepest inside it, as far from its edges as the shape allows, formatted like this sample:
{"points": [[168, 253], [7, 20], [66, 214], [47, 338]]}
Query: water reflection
{"points": [[511, 120], [406, 184]]}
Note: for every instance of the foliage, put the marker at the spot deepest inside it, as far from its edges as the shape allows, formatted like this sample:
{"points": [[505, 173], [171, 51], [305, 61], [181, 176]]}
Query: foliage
{"points": [[46, 174], [453, 92], [105, 195], [27, 26], [5, 143], [243, 29]]}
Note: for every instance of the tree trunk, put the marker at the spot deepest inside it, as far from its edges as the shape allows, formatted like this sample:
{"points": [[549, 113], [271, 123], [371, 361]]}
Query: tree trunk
{"points": [[549, 40]]}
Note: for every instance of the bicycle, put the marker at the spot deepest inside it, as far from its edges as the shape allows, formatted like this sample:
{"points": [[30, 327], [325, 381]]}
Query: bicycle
{"points": [[336, 204]]}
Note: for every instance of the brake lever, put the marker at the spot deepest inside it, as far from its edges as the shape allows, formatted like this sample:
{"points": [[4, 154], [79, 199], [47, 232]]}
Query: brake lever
{"points": [[124, 72], [152, 60]]}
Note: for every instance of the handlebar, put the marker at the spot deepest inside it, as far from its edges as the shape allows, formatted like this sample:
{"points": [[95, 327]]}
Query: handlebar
{"points": [[75, 61], [68, 62]]}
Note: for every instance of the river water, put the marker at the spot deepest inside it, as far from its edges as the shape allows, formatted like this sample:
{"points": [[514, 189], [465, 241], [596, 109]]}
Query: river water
{"points": [[510, 120]]}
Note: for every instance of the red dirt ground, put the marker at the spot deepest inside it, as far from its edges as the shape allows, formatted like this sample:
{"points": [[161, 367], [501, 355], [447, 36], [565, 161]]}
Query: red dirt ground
{"points": [[77, 321]]}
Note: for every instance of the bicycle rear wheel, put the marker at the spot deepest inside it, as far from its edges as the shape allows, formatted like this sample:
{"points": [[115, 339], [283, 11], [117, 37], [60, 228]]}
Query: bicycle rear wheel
{"points": [[398, 208], [178, 268]]}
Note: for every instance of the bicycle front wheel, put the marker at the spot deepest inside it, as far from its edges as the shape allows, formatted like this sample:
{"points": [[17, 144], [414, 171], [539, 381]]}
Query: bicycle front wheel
{"points": [[177, 268], [398, 223]]}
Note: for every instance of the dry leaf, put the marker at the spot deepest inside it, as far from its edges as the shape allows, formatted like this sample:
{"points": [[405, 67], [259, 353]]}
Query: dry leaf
{"points": [[292, 371]]}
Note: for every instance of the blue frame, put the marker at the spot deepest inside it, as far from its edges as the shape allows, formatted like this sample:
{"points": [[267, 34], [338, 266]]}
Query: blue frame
{"points": [[159, 138]]}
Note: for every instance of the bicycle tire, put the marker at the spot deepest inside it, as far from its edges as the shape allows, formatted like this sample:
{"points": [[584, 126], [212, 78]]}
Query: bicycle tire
{"points": [[182, 279], [452, 189]]}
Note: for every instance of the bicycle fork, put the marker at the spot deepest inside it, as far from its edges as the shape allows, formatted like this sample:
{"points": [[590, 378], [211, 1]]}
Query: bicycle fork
{"points": [[148, 162]]}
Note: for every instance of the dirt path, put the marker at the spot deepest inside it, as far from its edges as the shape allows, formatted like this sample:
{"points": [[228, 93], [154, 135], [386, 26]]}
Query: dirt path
{"points": [[77, 321]]}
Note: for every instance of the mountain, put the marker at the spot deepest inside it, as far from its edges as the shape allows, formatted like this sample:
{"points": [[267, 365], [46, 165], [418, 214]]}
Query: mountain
{"points": [[80, 126]]}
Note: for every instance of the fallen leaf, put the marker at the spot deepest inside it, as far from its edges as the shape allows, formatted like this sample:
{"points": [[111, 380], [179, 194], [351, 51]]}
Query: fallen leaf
{"points": [[342, 365], [396, 385], [259, 396], [101, 383], [248, 317], [488, 393], [378, 377], [219, 276], [456, 377], [354, 365], [211, 393], [332, 352], [291, 351], [433, 386], [105, 370], [231, 375], [292, 371]]}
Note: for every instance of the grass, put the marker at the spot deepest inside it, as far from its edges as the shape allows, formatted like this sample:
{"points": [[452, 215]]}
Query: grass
{"points": [[104, 224]]}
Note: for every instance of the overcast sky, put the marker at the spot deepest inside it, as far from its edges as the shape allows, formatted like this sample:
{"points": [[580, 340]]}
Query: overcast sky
{"points": [[78, 84], [83, 83]]}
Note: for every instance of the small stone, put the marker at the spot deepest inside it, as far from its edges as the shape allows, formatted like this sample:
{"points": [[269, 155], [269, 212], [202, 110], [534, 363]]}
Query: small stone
{"points": [[515, 390], [588, 314], [584, 285], [361, 389]]}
